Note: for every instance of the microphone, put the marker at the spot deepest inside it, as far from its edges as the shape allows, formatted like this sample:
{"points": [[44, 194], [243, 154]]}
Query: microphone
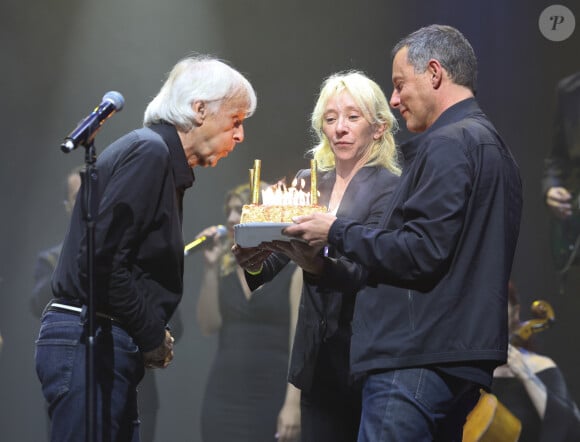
{"points": [[203, 240], [87, 129]]}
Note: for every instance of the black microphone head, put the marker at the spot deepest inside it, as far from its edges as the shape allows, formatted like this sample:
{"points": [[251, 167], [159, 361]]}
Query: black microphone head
{"points": [[115, 98]]}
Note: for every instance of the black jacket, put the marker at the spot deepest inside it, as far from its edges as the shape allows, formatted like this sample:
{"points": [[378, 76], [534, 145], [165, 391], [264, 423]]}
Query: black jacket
{"points": [[138, 266], [449, 240], [328, 313]]}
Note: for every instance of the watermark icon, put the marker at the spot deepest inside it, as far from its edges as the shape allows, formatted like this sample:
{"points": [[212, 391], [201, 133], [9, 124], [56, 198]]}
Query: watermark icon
{"points": [[557, 23]]}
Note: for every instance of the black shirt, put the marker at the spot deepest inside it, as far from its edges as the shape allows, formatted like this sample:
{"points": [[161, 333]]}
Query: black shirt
{"points": [[448, 238], [138, 264]]}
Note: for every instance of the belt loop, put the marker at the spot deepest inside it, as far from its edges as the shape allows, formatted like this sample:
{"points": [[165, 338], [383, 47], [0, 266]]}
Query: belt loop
{"points": [[83, 315], [46, 307]]}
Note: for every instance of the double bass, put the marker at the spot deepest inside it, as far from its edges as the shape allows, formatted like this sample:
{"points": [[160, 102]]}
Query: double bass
{"points": [[545, 317], [490, 420]]}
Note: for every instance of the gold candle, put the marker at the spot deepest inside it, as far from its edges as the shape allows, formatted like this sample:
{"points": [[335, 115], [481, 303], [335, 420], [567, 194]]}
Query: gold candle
{"points": [[256, 182], [251, 172], [313, 191]]}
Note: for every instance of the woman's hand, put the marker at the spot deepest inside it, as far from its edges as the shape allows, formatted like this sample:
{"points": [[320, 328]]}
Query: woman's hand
{"points": [[288, 426], [216, 247], [250, 258]]}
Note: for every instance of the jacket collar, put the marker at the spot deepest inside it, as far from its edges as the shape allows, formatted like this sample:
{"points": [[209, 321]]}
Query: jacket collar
{"points": [[451, 115], [184, 176], [327, 180]]}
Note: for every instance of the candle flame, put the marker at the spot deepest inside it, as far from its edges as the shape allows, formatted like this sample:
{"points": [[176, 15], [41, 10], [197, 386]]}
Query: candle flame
{"points": [[280, 195]]}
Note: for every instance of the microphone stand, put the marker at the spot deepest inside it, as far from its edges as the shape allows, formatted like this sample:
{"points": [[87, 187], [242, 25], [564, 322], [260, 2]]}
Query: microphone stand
{"points": [[112, 102], [89, 178]]}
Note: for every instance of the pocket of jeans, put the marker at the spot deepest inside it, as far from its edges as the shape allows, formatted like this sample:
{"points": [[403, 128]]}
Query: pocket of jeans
{"points": [[56, 351], [123, 341], [128, 357], [432, 391]]}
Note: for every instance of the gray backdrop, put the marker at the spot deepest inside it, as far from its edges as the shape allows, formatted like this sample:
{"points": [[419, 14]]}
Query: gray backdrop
{"points": [[60, 57]]}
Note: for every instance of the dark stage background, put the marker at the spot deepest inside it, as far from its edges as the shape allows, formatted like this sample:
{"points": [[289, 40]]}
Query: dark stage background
{"points": [[60, 57]]}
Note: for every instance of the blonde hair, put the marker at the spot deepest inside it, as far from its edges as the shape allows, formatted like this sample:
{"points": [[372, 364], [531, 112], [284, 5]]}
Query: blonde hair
{"points": [[374, 106]]}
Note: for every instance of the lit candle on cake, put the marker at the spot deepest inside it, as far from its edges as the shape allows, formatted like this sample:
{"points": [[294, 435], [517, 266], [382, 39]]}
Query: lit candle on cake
{"points": [[256, 182], [313, 191]]}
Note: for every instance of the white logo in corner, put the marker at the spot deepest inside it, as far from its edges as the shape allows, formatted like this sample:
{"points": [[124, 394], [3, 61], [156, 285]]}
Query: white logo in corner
{"points": [[557, 23]]}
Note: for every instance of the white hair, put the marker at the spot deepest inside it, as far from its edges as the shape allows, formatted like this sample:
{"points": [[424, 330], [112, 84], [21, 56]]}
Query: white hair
{"points": [[196, 78]]}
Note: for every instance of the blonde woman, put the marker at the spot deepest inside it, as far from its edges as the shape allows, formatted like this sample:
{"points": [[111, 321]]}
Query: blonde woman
{"points": [[357, 158]]}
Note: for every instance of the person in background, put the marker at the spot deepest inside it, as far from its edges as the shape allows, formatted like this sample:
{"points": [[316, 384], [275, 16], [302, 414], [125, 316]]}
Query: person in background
{"points": [[148, 399], [561, 179], [533, 388], [359, 171], [562, 164], [247, 397], [195, 120], [47, 259], [448, 239]]}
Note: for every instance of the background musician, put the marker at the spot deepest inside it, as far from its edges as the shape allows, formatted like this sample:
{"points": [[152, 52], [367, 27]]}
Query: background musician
{"points": [[561, 176], [562, 165], [533, 388]]}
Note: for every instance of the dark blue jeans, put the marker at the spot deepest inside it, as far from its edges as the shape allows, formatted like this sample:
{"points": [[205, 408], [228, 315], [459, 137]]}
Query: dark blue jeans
{"points": [[61, 368], [415, 404]]}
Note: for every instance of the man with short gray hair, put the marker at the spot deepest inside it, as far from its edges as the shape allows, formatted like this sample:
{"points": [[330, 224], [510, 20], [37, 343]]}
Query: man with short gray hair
{"points": [[448, 238]]}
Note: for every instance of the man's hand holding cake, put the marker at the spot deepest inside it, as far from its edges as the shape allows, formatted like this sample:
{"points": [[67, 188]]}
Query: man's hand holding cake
{"points": [[262, 220], [313, 229], [279, 205]]}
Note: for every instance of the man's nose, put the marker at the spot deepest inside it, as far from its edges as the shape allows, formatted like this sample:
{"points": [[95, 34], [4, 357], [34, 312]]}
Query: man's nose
{"points": [[239, 134], [395, 99]]}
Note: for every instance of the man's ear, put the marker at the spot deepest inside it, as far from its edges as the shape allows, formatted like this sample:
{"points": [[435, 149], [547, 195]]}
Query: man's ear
{"points": [[435, 71], [200, 111]]}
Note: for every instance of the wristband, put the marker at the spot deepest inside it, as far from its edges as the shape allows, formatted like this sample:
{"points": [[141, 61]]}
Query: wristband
{"points": [[255, 272]]}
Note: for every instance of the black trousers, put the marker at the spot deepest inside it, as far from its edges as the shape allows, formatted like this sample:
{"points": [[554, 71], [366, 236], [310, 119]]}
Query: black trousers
{"points": [[331, 408]]}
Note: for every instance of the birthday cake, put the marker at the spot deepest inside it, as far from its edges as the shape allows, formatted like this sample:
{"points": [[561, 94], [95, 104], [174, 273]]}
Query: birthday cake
{"points": [[262, 213], [266, 222]]}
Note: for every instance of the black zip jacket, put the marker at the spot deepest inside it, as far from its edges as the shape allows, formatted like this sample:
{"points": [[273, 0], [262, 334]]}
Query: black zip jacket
{"points": [[449, 239]]}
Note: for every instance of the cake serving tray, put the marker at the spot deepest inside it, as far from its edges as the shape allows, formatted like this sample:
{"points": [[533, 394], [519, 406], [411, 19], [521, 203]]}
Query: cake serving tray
{"points": [[253, 234]]}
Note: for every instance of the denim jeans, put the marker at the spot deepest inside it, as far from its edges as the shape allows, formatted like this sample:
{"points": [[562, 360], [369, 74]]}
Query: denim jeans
{"points": [[61, 368], [415, 405]]}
